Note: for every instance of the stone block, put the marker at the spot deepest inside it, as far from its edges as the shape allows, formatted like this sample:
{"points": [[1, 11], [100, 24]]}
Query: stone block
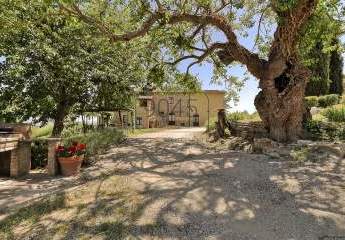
{"points": [[52, 166]]}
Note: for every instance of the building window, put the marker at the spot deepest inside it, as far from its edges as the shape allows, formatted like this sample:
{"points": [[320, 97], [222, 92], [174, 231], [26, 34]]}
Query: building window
{"points": [[170, 100], [139, 121], [171, 119], [195, 120], [143, 102]]}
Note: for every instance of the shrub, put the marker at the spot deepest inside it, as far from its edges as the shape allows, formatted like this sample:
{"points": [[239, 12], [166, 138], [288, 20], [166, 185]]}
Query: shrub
{"points": [[212, 125], [311, 101], [39, 153], [72, 130], [328, 100], [319, 130], [98, 140], [335, 115]]}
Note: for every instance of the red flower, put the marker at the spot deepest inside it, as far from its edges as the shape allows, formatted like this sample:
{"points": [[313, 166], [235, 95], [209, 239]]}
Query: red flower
{"points": [[72, 149], [81, 146], [60, 148]]}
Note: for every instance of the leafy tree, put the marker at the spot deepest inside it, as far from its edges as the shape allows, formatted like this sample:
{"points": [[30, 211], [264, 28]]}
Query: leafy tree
{"points": [[55, 65], [317, 46], [187, 28]]}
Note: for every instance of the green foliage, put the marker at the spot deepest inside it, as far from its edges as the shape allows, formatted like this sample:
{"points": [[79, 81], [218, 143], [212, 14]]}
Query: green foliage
{"points": [[311, 101], [243, 116], [319, 82], [335, 114], [39, 153], [98, 140], [319, 130], [328, 100], [55, 65], [212, 125], [336, 73], [317, 44]]}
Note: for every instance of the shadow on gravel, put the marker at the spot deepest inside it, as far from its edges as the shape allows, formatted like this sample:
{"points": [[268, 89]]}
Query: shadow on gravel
{"points": [[236, 195], [189, 192]]}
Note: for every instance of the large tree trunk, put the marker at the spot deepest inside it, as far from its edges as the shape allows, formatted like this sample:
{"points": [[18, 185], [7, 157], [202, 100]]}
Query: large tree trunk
{"points": [[280, 104], [61, 112]]}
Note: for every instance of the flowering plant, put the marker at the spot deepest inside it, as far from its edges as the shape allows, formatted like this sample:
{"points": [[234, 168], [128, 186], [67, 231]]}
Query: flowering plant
{"points": [[76, 149]]}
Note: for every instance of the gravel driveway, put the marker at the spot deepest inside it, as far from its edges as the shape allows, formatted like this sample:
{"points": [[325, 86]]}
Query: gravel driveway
{"points": [[192, 192]]}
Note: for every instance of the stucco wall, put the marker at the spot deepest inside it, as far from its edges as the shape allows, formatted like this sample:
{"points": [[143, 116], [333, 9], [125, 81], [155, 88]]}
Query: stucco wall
{"points": [[159, 107]]}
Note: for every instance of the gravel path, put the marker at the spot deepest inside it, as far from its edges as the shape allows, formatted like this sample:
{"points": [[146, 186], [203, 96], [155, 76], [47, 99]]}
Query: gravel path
{"points": [[195, 193]]}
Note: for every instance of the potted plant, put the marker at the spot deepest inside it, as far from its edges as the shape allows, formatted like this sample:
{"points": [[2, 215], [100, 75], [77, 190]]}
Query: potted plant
{"points": [[70, 158]]}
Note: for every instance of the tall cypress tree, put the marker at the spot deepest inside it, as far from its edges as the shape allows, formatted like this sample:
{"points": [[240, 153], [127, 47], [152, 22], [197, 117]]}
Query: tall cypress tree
{"points": [[319, 83], [336, 73]]}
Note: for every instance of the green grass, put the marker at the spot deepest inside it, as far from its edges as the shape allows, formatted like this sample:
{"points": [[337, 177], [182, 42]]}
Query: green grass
{"points": [[335, 114], [41, 132], [322, 115], [106, 208]]}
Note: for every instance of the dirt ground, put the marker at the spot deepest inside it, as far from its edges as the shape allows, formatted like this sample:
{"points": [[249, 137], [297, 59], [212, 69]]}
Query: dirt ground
{"points": [[193, 192], [196, 193]]}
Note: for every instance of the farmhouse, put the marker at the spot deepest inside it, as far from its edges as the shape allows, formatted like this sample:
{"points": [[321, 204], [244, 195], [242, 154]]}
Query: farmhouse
{"points": [[158, 109]]}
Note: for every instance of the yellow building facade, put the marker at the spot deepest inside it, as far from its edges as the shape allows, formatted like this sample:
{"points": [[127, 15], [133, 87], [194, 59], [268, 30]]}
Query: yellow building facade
{"points": [[175, 109]]}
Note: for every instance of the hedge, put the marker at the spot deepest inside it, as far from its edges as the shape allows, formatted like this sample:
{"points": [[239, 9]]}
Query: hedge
{"points": [[322, 101]]}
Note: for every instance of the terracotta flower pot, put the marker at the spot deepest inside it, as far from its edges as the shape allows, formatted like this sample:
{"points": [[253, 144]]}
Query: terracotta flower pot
{"points": [[70, 165]]}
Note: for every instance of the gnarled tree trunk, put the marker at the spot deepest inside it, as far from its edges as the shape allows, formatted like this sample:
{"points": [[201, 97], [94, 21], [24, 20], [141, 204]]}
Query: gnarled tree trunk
{"points": [[280, 104]]}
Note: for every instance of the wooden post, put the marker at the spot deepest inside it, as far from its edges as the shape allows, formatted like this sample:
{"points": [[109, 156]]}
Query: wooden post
{"points": [[221, 124]]}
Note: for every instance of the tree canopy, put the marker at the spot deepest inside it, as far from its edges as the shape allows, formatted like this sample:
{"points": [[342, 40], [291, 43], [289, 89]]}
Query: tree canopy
{"points": [[186, 30], [55, 65]]}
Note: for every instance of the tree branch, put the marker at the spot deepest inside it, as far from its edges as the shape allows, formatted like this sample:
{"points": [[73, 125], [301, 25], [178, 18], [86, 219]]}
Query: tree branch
{"points": [[237, 52]]}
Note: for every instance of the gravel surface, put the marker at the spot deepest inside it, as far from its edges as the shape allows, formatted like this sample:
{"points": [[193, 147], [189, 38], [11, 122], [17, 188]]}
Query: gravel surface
{"points": [[196, 193]]}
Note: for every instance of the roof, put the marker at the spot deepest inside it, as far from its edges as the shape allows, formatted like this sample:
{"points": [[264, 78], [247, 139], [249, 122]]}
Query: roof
{"points": [[214, 91], [181, 92]]}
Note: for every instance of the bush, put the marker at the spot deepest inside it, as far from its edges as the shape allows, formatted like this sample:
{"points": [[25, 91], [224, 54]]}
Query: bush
{"points": [[335, 115], [39, 153], [212, 125], [97, 141], [319, 130], [72, 130], [311, 101], [328, 100]]}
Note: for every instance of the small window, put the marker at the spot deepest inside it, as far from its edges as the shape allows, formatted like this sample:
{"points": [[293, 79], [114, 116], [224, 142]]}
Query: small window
{"points": [[171, 119], [170, 100], [195, 120], [139, 121], [143, 103]]}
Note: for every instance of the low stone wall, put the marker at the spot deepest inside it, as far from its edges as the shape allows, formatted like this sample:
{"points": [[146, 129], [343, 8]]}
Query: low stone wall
{"points": [[247, 130]]}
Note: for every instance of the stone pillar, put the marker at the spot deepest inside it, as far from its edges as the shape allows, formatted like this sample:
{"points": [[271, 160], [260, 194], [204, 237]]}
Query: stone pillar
{"points": [[21, 159], [52, 166]]}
